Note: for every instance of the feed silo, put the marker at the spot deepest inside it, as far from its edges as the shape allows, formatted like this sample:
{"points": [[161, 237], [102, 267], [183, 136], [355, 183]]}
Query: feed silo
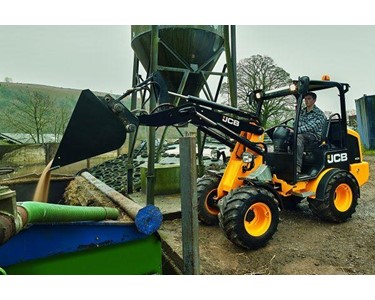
{"points": [[186, 53]]}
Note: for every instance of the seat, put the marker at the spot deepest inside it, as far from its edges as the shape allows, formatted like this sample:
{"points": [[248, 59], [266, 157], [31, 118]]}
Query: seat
{"points": [[314, 157], [331, 134], [334, 134]]}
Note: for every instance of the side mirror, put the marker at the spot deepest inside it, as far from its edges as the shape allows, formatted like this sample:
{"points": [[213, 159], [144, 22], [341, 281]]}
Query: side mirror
{"points": [[251, 98], [303, 85], [254, 97]]}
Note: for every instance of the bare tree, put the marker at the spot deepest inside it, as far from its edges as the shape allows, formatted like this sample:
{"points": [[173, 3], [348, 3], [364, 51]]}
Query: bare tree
{"points": [[261, 72], [30, 113], [61, 115]]}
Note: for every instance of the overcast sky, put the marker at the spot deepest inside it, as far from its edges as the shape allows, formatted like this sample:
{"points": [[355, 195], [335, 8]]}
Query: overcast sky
{"points": [[99, 57]]}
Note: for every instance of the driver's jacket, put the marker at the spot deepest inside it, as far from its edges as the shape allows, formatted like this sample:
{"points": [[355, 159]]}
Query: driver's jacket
{"points": [[311, 121]]}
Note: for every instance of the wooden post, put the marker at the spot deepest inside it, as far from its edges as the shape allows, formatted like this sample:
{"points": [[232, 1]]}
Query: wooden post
{"points": [[189, 204], [147, 219]]}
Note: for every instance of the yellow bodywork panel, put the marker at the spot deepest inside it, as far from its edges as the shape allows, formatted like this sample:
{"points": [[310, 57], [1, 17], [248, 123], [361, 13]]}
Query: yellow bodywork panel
{"points": [[299, 187], [236, 166], [361, 172], [357, 136], [234, 169], [286, 188]]}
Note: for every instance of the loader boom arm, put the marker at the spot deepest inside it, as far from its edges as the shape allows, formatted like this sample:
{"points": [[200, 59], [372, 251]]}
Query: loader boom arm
{"points": [[98, 125]]}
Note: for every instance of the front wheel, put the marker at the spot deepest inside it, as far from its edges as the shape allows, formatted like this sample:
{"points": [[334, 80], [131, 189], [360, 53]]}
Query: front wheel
{"points": [[207, 202], [338, 199], [249, 216]]}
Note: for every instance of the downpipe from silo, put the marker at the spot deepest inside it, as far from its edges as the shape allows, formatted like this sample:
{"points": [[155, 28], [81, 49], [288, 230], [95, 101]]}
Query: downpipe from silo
{"points": [[7, 227], [11, 224]]}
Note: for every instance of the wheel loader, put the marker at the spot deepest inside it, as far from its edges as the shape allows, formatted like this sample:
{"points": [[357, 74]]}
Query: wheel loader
{"points": [[258, 180]]}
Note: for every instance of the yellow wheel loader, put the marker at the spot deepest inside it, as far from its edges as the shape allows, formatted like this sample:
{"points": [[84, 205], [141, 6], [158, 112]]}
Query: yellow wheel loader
{"points": [[258, 180]]}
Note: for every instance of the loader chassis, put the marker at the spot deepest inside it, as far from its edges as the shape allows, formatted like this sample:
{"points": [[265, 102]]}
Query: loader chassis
{"points": [[333, 171], [246, 197]]}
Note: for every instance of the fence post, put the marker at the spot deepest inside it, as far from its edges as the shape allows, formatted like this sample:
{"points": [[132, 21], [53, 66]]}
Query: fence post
{"points": [[189, 203]]}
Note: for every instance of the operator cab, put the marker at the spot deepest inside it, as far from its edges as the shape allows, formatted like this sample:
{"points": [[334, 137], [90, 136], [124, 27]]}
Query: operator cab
{"points": [[334, 146]]}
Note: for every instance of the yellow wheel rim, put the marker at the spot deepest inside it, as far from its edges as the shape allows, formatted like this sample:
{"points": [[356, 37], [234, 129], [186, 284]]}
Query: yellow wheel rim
{"points": [[343, 197], [257, 219], [209, 202]]}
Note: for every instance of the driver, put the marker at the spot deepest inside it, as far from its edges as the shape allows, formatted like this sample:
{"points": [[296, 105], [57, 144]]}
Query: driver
{"points": [[310, 126]]}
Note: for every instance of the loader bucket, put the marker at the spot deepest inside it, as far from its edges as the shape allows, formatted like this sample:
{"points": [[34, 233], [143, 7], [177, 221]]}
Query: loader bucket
{"points": [[93, 129]]}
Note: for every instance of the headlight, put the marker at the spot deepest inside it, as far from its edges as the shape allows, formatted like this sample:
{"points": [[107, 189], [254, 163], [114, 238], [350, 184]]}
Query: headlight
{"points": [[292, 87], [247, 157]]}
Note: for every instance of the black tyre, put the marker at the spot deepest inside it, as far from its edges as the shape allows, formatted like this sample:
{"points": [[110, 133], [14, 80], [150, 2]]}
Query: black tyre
{"points": [[207, 204], [249, 216], [337, 195]]}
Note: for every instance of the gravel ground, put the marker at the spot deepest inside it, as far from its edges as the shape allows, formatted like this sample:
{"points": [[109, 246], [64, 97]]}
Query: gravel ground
{"points": [[303, 244]]}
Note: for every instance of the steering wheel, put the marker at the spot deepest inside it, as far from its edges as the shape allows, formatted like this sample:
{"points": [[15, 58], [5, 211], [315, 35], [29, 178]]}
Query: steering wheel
{"points": [[282, 124], [286, 126]]}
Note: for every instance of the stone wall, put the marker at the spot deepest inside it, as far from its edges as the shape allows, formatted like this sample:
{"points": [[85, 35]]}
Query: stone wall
{"points": [[25, 155], [8, 148], [31, 154]]}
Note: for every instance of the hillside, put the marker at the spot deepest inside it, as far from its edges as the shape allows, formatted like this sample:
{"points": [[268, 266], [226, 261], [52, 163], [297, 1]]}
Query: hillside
{"points": [[10, 91]]}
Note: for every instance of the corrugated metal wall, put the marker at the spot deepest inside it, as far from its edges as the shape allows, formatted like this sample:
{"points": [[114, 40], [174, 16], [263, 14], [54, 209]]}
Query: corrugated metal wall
{"points": [[365, 107]]}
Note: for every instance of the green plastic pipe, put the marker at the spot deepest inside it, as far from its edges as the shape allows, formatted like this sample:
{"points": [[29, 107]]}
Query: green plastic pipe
{"points": [[48, 212]]}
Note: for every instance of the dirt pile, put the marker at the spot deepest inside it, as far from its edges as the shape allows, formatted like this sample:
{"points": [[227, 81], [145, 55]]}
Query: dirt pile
{"points": [[80, 192]]}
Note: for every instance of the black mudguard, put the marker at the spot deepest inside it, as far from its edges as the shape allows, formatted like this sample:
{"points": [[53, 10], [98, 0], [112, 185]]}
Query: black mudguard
{"points": [[322, 186]]}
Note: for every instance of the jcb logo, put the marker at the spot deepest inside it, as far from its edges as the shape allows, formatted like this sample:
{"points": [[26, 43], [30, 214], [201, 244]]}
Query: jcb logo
{"points": [[337, 157], [231, 121]]}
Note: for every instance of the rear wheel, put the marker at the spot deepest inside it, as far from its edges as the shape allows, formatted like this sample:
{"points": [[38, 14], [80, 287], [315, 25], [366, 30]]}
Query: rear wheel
{"points": [[207, 203], [340, 198], [249, 216]]}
